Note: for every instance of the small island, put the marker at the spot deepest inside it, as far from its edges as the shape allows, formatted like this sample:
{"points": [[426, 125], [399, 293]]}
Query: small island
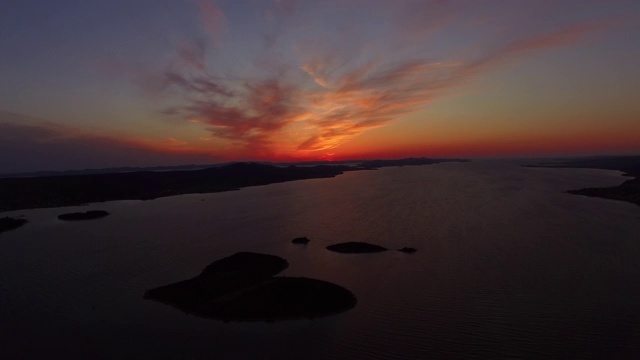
{"points": [[301, 240], [242, 287], [355, 247], [408, 250], [9, 223], [87, 215]]}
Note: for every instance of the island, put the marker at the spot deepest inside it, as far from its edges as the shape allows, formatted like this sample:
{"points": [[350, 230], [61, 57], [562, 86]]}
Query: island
{"points": [[628, 191], [87, 215], [300, 240], [242, 287], [9, 223], [355, 247], [408, 250], [79, 188]]}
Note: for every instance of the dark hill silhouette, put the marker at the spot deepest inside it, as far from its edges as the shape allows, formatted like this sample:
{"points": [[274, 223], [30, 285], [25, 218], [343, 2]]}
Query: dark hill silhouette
{"points": [[54, 191], [375, 164]]}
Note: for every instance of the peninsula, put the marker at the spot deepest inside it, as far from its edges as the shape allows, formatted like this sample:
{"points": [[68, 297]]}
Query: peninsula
{"points": [[627, 191], [9, 223], [54, 191]]}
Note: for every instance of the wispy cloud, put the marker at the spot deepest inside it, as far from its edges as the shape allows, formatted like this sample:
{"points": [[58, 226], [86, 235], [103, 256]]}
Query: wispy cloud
{"points": [[213, 19], [319, 89]]}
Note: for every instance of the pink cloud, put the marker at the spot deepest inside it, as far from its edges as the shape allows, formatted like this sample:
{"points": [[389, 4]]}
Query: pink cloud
{"points": [[342, 87], [213, 19]]}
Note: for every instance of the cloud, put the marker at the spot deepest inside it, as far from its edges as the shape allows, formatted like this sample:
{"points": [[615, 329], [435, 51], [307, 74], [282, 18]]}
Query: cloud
{"points": [[247, 114], [213, 19], [314, 88], [30, 144]]}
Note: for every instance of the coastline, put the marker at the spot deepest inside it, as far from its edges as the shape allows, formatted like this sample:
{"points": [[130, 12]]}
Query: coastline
{"points": [[56, 191], [628, 191]]}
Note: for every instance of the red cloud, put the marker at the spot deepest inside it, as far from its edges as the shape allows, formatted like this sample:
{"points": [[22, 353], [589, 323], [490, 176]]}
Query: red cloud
{"points": [[213, 19], [336, 92]]}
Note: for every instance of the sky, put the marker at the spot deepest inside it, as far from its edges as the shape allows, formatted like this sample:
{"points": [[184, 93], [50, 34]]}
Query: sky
{"points": [[110, 83]]}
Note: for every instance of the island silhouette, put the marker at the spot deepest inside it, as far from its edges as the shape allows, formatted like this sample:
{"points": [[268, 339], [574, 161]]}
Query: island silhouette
{"points": [[356, 247], [408, 250], [87, 215], [301, 240], [243, 287]]}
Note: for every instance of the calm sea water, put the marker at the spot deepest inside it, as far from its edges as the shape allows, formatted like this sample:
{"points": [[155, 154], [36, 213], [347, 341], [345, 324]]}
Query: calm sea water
{"points": [[508, 267]]}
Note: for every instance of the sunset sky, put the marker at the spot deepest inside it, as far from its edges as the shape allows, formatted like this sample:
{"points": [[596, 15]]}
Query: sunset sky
{"points": [[104, 83]]}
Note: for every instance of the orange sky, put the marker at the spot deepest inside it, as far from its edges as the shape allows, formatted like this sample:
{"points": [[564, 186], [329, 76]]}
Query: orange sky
{"points": [[302, 80]]}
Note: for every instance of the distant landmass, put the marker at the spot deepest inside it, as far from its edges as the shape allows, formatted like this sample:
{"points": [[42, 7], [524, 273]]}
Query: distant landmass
{"points": [[77, 189], [627, 191], [109, 170], [375, 164], [127, 169]]}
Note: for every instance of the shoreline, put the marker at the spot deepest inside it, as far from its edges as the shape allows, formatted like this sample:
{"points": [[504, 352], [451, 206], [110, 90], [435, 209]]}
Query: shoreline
{"points": [[628, 191], [74, 190]]}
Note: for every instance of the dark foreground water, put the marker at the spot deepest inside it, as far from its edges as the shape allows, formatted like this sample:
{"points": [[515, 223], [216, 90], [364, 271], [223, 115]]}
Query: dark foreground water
{"points": [[508, 267]]}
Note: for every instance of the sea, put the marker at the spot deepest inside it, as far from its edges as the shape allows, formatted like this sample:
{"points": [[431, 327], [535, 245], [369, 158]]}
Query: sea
{"points": [[508, 266]]}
